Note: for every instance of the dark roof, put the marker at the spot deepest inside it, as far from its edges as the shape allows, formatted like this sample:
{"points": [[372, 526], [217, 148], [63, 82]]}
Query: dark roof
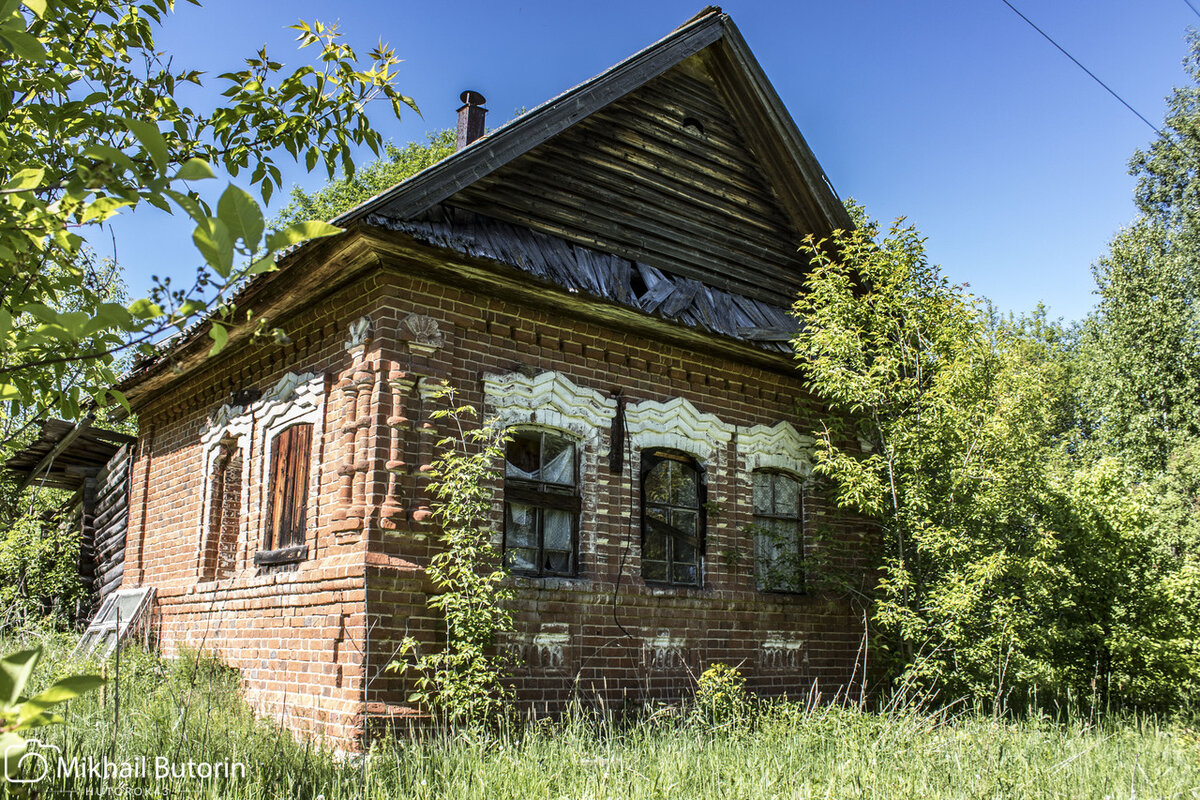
{"points": [[801, 175], [77, 450], [602, 275], [749, 296]]}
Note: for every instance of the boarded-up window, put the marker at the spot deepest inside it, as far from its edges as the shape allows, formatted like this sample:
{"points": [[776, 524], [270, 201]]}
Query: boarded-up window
{"points": [[672, 518], [287, 510], [541, 508], [219, 559], [778, 532]]}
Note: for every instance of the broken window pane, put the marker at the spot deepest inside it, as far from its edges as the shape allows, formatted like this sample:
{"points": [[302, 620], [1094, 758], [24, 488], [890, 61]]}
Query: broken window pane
{"points": [[121, 613], [521, 525], [542, 503], [522, 459]]}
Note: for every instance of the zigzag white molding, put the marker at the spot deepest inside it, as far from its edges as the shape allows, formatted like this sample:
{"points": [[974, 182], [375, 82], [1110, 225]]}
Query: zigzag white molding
{"points": [[295, 398], [676, 424], [779, 446], [550, 399]]}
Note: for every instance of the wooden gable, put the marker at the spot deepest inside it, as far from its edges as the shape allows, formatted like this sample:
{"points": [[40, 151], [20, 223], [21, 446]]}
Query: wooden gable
{"points": [[663, 176]]}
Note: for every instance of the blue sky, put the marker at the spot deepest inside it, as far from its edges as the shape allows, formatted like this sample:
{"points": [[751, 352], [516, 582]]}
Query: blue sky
{"points": [[955, 114]]}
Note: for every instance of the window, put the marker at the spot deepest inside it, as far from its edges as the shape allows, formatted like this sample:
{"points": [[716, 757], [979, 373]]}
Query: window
{"points": [[541, 504], [287, 509], [778, 532], [219, 558], [672, 518]]}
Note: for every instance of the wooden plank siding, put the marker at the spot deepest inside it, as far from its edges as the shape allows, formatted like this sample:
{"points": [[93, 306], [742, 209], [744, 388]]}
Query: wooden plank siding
{"points": [[633, 180], [109, 524]]}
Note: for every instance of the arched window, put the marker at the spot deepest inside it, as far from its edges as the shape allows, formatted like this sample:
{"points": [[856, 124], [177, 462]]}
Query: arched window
{"points": [[541, 503], [219, 557], [778, 532], [672, 518], [287, 507]]}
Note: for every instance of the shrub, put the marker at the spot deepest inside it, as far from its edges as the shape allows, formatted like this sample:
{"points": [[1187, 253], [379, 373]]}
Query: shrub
{"points": [[721, 696]]}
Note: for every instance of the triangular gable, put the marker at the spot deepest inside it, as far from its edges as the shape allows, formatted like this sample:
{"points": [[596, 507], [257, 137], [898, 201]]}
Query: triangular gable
{"points": [[709, 53], [663, 176]]}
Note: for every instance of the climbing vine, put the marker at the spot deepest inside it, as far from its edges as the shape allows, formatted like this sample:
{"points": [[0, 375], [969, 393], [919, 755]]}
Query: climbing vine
{"points": [[463, 682]]}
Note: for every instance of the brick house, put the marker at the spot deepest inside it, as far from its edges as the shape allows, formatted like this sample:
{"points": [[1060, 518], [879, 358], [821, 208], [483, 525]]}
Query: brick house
{"points": [[609, 274]]}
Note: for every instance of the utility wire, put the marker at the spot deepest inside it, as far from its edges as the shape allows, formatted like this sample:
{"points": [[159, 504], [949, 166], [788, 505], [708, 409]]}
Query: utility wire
{"points": [[1192, 7], [1107, 88]]}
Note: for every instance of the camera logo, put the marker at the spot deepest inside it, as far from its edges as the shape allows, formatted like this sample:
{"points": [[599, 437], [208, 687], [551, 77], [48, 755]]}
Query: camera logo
{"points": [[35, 761]]}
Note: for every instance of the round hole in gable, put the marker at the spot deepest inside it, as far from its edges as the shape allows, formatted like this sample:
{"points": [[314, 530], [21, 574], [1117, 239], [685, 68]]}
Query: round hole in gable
{"points": [[693, 126]]}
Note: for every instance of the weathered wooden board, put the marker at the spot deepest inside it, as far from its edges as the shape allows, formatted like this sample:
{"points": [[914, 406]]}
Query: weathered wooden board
{"points": [[663, 176]]}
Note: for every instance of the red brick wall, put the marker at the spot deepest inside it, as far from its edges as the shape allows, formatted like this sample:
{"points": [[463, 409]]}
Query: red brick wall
{"points": [[305, 639]]}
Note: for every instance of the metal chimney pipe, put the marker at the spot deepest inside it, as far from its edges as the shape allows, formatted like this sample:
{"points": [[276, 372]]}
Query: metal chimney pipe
{"points": [[470, 118]]}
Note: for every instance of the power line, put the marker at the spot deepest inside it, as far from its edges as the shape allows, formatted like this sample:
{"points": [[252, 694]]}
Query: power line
{"points": [[1192, 7], [1107, 88]]}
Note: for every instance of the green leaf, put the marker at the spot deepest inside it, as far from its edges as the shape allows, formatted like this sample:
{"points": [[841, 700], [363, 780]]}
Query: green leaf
{"points": [[21, 45], [144, 308], [110, 155], [13, 748], [9, 392], [107, 316], [262, 265], [38, 7], [121, 400], [60, 692], [41, 312], [300, 232], [220, 336], [148, 135], [15, 670], [194, 169], [102, 208], [241, 215], [213, 240], [29, 178]]}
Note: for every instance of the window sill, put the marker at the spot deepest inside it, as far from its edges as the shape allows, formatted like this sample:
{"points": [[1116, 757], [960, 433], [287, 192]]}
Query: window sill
{"points": [[657, 586], [286, 555]]}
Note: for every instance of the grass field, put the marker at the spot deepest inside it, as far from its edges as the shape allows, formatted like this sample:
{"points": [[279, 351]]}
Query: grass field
{"points": [[190, 709]]}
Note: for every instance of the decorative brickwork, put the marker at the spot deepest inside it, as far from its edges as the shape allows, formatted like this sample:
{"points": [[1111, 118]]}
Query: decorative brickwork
{"points": [[312, 644], [633, 301]]}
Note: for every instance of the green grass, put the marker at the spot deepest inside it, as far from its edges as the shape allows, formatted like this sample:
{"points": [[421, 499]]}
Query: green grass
{"points": [[190, 709]]}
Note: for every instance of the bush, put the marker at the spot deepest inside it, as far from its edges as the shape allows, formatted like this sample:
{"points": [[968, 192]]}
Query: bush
{"points": [[721, 696]]}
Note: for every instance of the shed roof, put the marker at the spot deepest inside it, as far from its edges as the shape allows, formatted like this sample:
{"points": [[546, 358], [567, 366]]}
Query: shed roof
{"points": [[64, 453]]}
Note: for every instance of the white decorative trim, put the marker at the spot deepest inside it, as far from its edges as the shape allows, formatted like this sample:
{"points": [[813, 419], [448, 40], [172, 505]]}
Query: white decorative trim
{"points": [[677, 424], [293, 399], [361, 331], [779, 446], [227, 422], [423, 333], [548, 399]]}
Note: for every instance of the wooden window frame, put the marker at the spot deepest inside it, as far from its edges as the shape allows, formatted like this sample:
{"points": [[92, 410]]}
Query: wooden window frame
{"points": [[798, 519], [286, 547], [543, 496], [651, 458]]}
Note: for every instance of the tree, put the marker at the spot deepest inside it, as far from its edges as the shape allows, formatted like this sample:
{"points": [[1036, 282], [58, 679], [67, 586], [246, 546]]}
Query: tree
{"points": [[91, 125], [1140, 347], [1007, 563], [343, 194]]}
